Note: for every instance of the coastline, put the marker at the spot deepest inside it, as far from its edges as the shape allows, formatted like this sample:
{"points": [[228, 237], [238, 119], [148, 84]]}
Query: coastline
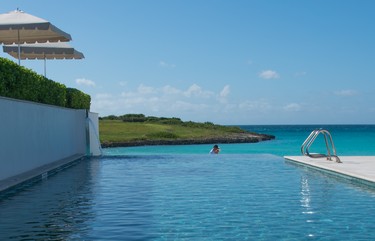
{"points": [[232, 138]]}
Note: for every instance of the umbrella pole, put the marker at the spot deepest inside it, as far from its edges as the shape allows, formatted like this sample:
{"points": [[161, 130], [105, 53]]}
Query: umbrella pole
{"points": [[45, 69], [19, 48]]}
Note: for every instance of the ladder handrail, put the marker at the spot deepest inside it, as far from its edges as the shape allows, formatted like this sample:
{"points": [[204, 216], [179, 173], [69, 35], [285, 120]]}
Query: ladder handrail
{"points": [[327, 139], [309, 140], [325, 133]]}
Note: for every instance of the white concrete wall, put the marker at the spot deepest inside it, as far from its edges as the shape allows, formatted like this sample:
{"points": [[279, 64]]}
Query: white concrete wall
{"points": [[93, 122], [33, 135]]}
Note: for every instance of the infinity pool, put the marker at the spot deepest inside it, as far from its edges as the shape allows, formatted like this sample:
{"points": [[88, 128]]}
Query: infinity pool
{"points": [[188, 197]]}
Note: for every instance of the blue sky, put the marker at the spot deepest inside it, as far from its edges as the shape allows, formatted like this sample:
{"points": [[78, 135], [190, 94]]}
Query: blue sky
{"points": [[223, 61]]}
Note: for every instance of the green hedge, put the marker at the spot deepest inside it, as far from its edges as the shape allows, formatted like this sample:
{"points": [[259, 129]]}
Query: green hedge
{"points": [[77, 99], [19, 82]]}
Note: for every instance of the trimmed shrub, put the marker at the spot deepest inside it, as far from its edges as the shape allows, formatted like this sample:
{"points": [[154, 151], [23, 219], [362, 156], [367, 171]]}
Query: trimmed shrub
{"points": [[51, 92], [19, 82], [76, 99]]}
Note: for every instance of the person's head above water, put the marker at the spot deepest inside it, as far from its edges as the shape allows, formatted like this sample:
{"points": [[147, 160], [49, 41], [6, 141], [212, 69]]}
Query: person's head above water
{"points": [[215, 149]]}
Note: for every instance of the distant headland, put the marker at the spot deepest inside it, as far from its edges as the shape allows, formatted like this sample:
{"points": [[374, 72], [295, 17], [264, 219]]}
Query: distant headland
{"points": [[140, 130]]}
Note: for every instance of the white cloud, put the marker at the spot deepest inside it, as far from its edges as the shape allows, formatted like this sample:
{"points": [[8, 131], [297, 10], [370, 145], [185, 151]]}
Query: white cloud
{"points": [[170, 90], [225, 91], [166, 65], [255, 105], [188, 106], [166, 100], [106, 102], [292, 107], [196, 91], [128, 94], [83, 81], [346, 92], [269, 74], [143, 89], [103, 96], [193, 90], [122, 83]]}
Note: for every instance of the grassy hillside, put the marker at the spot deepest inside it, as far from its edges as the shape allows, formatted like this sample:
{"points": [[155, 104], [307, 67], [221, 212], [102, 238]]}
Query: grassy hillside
{"points": [[118, 131]]}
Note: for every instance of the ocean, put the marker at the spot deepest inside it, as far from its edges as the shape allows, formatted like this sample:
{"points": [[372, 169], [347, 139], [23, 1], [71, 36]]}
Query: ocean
{"points": [[349, 140]]}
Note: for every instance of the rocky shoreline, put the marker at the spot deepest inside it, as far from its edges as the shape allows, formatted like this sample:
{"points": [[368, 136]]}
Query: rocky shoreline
{"points": [[233, 138]]}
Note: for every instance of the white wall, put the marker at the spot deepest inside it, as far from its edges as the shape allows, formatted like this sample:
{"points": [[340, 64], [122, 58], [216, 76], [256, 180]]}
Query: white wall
{"points": [[33, 135], [93, 122]]}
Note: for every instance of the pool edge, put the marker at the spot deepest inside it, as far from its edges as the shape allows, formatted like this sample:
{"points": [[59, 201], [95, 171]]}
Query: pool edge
{"points": [[39, 173], [353, 168]]}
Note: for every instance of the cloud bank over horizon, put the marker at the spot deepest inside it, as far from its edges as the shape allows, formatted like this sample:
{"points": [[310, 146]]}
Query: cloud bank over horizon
{"points": [[199, 104]]}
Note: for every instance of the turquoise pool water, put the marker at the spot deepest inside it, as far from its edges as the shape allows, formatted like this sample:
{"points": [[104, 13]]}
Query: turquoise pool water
{"points": [[350, 140], [249, 192], [189, 197]]}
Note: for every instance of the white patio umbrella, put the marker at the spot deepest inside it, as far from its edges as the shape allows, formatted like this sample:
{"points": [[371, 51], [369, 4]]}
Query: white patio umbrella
{"points": [[18, 27], [43, 51]]}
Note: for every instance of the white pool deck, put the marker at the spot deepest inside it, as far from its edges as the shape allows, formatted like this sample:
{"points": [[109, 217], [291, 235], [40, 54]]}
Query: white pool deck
{"points": [[361, 168]]}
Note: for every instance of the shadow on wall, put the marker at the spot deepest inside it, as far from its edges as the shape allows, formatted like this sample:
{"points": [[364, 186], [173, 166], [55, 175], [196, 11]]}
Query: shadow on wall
{"points": [[37, 135]]}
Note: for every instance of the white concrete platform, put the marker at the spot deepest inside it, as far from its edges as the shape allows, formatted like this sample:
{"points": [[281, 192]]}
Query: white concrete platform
{"points": [[358, 167]]}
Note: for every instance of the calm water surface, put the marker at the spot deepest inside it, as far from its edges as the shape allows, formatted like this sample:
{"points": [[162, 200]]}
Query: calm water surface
{"points": [[186, 194], [189, 197]]}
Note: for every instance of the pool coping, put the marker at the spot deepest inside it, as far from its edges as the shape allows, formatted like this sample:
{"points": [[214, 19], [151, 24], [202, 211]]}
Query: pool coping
{"points": [[39, 173], [357, 168]]}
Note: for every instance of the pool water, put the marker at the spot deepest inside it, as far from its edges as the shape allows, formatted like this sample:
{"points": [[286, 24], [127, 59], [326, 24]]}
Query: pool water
{"points": [[189, 197]]}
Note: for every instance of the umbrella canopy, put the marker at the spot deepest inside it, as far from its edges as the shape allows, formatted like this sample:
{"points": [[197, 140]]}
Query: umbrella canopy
{"points": [[19, 27], [43, 51]]}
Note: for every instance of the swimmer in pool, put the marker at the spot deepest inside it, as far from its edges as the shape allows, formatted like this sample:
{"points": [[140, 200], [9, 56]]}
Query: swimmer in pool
{"points": [[215, 150]]}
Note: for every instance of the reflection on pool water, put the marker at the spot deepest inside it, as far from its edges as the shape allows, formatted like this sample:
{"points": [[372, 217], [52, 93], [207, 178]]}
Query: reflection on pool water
{"points": [[189, 197]]}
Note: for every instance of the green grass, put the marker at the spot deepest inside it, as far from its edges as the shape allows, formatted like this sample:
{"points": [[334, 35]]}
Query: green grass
{"points": [[118, 131]]}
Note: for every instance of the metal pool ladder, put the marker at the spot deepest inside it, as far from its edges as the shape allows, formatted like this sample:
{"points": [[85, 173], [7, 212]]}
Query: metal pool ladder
{"points": [[328, 140]]}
